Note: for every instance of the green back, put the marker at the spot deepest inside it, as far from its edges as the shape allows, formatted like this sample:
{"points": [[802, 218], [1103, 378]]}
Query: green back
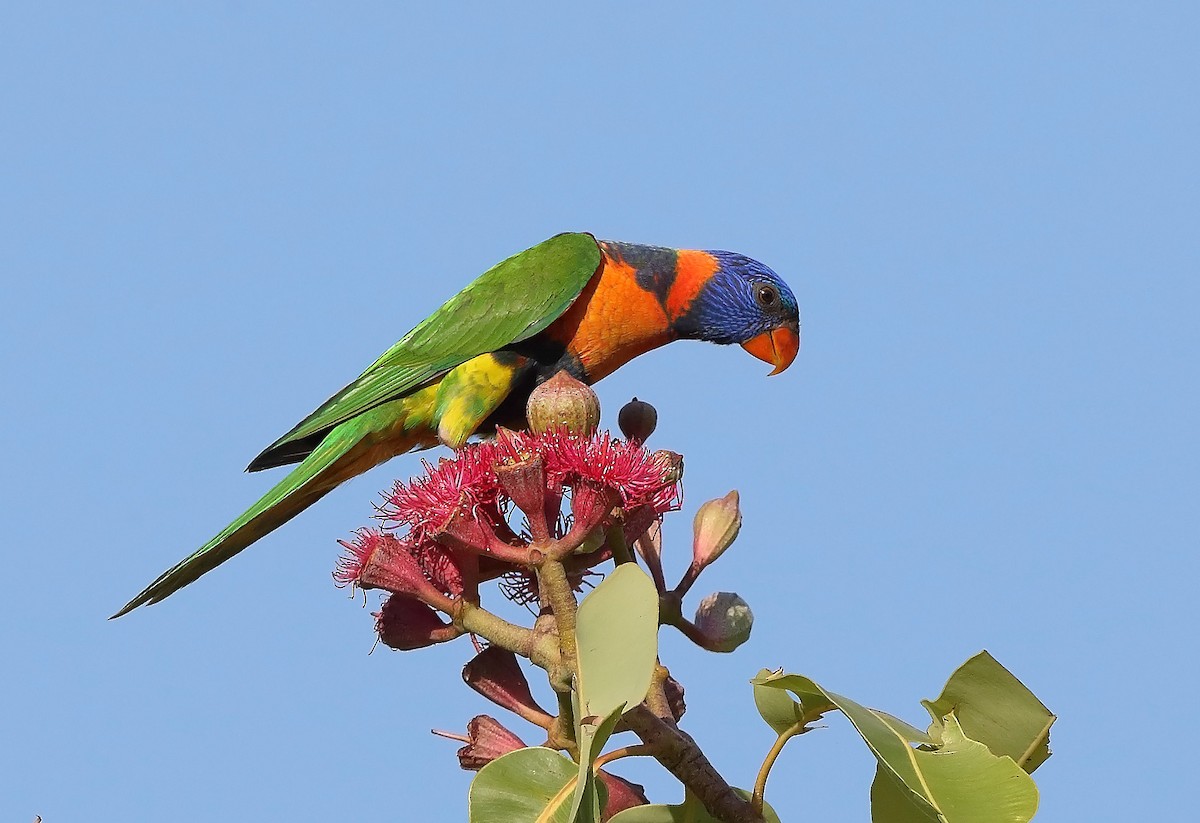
{"points": [[510, 302]]}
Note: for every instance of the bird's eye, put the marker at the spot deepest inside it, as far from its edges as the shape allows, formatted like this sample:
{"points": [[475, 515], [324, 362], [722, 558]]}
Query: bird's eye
{"points": [[767, 296]]}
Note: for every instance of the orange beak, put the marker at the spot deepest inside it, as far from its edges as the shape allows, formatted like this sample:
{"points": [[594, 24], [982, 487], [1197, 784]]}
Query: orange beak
{"points": [[777, 347]]}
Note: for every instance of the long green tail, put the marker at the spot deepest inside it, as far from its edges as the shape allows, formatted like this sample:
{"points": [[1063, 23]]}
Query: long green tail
{"points": [[333, 462]]}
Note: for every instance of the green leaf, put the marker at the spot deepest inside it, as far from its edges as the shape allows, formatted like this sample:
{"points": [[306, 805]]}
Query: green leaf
{"points": [[911, 733], [995, 708], [617, 639], [533, 785], [587, 802], [962, 781], [953, 779], [776, 705], [884, 735], [892, 802], [690, 810]]}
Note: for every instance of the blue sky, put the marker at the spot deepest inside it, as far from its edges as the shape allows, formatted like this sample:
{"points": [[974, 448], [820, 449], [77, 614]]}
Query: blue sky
{"points": [[213, 217]]}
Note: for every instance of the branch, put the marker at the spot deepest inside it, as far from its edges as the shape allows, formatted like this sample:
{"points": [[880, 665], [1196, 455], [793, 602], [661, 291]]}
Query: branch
{"points": [[541, 650], [679, 754]]}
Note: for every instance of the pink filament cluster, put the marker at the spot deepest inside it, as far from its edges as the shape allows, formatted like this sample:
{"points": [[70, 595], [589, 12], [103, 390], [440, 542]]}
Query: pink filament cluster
{"points": [[468, 479], [467, 484], [356, 554], [630, 469]]}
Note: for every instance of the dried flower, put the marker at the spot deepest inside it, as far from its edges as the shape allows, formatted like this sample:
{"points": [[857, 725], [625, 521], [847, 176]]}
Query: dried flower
{"points": [[496, 674], [487, 739], [640, 520], [673, 690], [405, 624], [563, 403], [622, 794], [637, 420], [724, 620], [520, 586], [674, 463]]}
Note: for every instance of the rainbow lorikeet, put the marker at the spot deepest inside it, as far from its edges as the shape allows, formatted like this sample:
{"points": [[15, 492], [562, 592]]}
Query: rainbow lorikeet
{"points": [[571, 302]]}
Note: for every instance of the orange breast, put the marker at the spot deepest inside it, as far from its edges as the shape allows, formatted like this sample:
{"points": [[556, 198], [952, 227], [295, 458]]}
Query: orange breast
{"points": [[613, 321]]}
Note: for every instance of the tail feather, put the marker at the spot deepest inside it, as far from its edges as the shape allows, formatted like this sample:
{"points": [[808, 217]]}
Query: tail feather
{"points": [[334, 461], [287, 453]]}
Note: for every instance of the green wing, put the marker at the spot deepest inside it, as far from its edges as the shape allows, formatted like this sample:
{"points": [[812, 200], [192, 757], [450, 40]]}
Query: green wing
{"points": [[510, 302]]}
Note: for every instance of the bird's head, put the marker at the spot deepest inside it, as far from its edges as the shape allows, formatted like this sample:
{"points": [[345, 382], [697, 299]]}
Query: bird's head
{"points": [[745, 302]]}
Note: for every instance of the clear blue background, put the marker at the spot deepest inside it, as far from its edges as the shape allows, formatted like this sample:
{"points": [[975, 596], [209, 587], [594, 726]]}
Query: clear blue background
{"points": [[211, 218]]}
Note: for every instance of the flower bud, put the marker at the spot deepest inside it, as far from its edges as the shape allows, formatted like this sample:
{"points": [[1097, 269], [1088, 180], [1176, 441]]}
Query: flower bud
{"points": [[715, 528], [724, 620], [562, 402], [637, 420], [405, 624]]}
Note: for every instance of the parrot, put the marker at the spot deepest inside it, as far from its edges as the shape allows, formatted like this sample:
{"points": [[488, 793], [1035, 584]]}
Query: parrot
{"points": [[570, 303]]}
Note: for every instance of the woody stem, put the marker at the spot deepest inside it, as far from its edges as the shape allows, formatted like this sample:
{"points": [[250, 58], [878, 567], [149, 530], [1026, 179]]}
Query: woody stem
{"points": [[680, 755]]}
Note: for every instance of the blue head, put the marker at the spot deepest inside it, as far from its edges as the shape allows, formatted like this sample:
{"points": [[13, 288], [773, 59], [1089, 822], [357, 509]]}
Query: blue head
{"points": [[745, 302]]}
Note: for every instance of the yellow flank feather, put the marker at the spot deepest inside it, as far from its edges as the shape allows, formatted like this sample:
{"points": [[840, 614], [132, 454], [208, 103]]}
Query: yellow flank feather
{"points": [[385, 431], [468, 394]]}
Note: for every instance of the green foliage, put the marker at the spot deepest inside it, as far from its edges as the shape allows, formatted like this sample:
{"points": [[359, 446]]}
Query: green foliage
{"points": [[617, 639], [972, 770], [775, 706], [533, 784], [996, 709], [961, 782], [689, 811], [617, 645], [591, 733]]}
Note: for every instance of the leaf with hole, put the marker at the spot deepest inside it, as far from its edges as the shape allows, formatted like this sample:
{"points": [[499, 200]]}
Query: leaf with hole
{"points": [[997, 709]]}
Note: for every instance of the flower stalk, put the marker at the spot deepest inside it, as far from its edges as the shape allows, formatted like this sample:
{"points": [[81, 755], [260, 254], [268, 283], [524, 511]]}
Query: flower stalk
{"points": [[557, 594]]}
